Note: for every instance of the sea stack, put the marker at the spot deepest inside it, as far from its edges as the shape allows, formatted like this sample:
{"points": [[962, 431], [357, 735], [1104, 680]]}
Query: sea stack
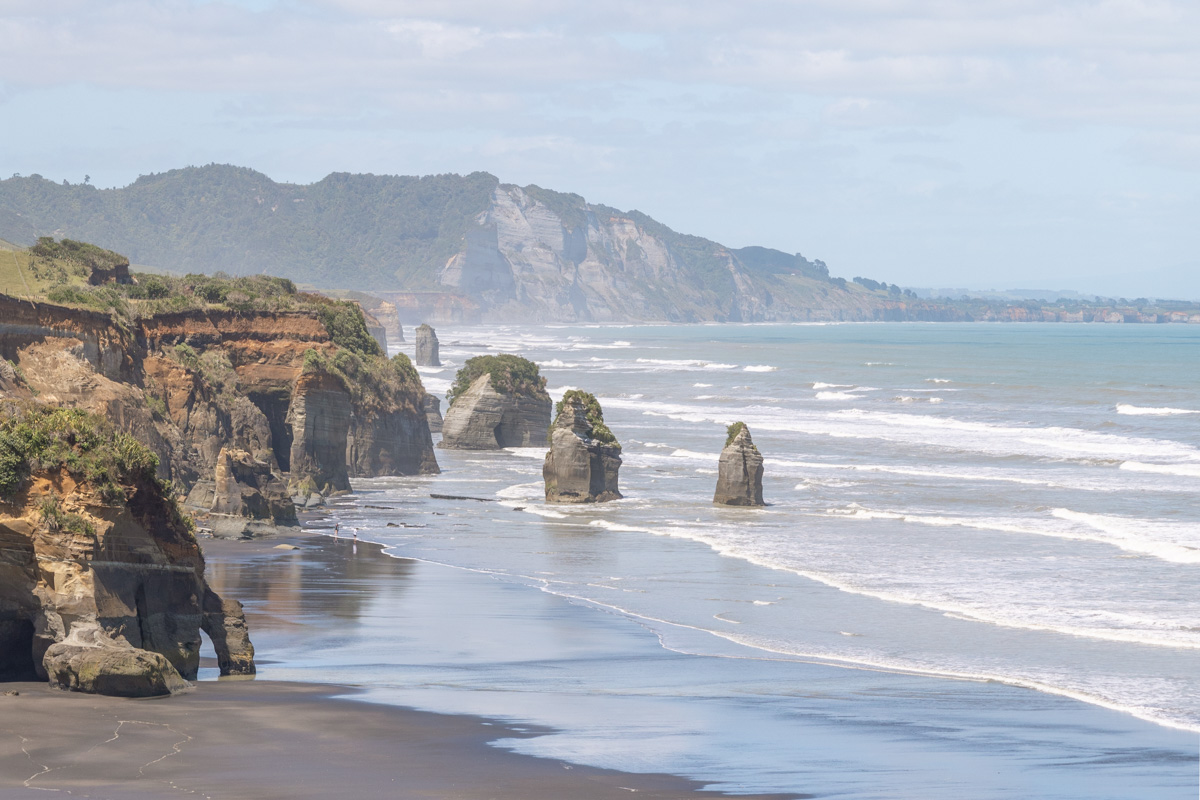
{"points": [[496, 402], [432, 406], [584, 456], [427, 347], [739, 476]]}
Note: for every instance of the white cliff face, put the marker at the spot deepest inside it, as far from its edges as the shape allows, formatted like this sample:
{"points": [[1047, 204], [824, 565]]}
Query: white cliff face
{"points": [[521, 259], [521, 254]]}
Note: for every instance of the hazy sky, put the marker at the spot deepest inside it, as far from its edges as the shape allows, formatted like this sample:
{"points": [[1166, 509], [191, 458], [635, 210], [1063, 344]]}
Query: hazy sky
{"points": [[980, 143]]}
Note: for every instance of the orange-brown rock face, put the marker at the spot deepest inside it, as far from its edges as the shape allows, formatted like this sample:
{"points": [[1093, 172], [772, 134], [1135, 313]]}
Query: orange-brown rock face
{"points": [[190, 383], [105, 596]]}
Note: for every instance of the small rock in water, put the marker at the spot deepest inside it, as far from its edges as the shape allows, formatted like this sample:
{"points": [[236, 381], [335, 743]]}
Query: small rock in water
{"points": [[392, 525], [11, 694], [286, 547]]}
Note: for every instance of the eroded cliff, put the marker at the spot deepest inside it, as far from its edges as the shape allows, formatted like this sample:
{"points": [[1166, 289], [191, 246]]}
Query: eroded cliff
{"points": [[102, 583]]}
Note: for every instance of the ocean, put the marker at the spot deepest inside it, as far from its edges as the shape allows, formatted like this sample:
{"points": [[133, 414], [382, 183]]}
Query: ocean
{"points": [[977, 575]]}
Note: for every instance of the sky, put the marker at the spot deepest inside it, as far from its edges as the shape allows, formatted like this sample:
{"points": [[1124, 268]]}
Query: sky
{"points": [[986, 144]]}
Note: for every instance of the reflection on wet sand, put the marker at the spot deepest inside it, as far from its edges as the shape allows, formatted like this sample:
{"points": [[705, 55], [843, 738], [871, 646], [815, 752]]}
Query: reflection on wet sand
{"points": [[326, 582]]}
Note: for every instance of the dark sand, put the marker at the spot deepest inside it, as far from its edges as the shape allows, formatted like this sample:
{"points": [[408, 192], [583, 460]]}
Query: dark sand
{"points": [[269, 739]]}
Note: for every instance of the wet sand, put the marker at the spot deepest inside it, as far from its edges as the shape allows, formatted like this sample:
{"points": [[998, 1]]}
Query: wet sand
{"points": [[274, 739]]}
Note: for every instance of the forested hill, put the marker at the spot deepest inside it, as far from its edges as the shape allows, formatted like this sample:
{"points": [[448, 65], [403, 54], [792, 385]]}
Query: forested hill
{"points": [[469, 245]]}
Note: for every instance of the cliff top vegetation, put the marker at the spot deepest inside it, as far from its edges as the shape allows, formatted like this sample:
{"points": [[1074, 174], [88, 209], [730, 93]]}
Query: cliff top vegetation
{"points": [[509, 375], [42, 439], [732, 432], [59, 272], [595, 414]]}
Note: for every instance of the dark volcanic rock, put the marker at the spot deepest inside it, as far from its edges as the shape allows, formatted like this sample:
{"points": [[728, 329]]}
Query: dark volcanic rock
{"points": [[580, 468], [482, 418], [739, 476], [427, 347]]}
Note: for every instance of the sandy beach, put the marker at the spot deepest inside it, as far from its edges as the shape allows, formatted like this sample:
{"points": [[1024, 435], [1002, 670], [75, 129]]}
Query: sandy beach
{"points": [[277, 739]]}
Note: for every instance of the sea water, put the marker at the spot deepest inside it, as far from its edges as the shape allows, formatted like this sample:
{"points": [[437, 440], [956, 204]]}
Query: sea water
{"points": [[956, 503]]}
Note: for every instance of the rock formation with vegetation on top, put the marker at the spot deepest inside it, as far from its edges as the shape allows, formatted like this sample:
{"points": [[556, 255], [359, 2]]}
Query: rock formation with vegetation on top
{"points": [[585, 457], [740, 472], [196, 364], [102, 585], [496, 401]]}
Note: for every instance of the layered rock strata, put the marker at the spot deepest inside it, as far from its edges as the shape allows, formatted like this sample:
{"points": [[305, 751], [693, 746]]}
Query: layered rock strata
{"points": [[584, 460], [481, 418], [190, 383], [427, 347], [102, 585], [433, 412], [740, 472]]}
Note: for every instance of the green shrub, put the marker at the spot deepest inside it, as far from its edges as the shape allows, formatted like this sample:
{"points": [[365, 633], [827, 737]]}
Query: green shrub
{"points": [[187, 356], [348, 328], [732, 431], [43, 438], [509, 375], [404, 367], [595, 414]]}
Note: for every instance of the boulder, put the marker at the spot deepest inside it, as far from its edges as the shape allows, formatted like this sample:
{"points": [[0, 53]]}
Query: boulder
{"points": [[111, 669], [432, 406], [427, 347], [585, 458], [739, 476], [482, 418]]}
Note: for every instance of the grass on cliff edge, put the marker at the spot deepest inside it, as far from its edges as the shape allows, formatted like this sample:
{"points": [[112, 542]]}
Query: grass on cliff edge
{"points": [[595, 415], [509, 375], [45, 439]]}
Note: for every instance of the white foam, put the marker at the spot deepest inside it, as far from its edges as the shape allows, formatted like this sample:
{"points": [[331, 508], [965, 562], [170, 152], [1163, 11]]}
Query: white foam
{"points": [[1139, 411], [837, 396], [761, 368], [938, 380], [615, 526], [527, 452], [702, 385], [554, 362], [1183, 470], [821, 385], [1175, 542]]}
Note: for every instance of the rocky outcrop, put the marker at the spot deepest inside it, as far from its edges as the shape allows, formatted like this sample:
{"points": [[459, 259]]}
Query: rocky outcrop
{"points": [[482, 418], [427, 347], [376, 329], [101, 581], [224, 621], [585, 458], [740, 473], [246, 497], [319, 419], [392, 441], [190, 383], [433, 412]]}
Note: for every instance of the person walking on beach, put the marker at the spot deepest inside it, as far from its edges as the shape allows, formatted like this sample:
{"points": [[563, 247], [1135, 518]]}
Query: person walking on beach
{"points": [[336, 525]]}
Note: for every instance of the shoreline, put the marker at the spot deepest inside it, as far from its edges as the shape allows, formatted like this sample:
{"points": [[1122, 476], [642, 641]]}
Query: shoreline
{"points": [[264, 738], [269, 739]]}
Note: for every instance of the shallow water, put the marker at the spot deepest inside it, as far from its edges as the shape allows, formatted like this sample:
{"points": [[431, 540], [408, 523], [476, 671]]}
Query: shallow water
{"points": [[950, 504]]}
